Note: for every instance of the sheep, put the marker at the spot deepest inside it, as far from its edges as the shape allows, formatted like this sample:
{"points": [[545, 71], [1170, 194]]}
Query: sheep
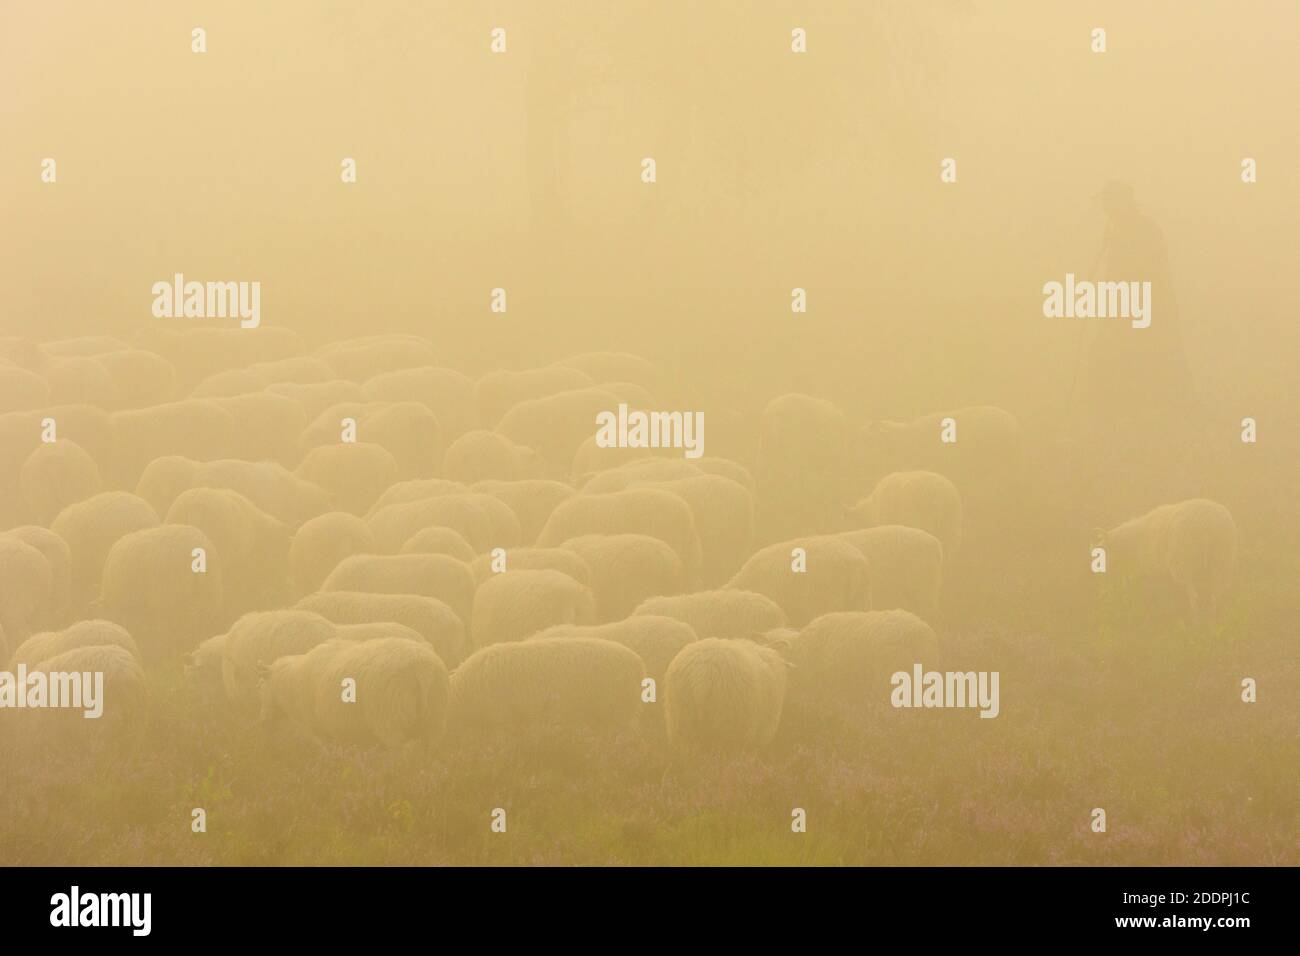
{"points": [[432, 575], [555, 426], [59, 558], [268, 427], [480, 455], [298, 370], [439, 541], [91, 528], [315, 397], [726, 468], [80, 380], [988, 445], [416, 489], [568, 682], [515, 604], [152, 589], [724, 519], [395, 524], [725, 613], [123, 699], [638, 469], [320, 544], [398, 693], [55, 475], [273, 488], [21, 390], [355, 473], [361, 359], [835, 577], [533, 559], [615, 367], [374, 630], [656, 640], [850, 657], [432, 619], [591, 460], [254, 547], [26, 587], [532, 500], [263, 638], [85, 345], [446, 393], [918, 499], [198, 353], [499, 391], [21, 433], [651, 511], [140, 379], [93, 633], [906, 566], [1193, 543], [195, 428], [202, 674], [626, 569], [408, 430], [806, 467], [723, 697]]}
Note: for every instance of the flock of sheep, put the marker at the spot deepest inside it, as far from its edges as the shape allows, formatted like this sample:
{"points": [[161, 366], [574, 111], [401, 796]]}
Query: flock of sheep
{"points": [[355, 544]]}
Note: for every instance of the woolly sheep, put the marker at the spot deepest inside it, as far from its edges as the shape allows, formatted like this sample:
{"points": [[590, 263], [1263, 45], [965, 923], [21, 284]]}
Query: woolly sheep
{"points": [[416, 489], [656, 640], [446, 393], [198, 353], [651, 511], [1192, 542], [149, 588], [850, 657], [408, 430], [254, 547], [836, 578], [263, 638], [555, 426], [21, 390], [626, 569], [320, 544], [193, 428], [988, 445], [480, 455], [374, 630], [124, 699], [268, 427], [724, 519], [723, 696], [95, 633], [573, 681], [355, 473], [806, 467], [26, 587], [55, 475], [516, 604], [315, 397], [57, 555], [432, 575], [269, 486], [91, 528], [906, 566], [21, 433], [534, 559], [361, 359], [439, 541], [638, 469], [723, 613], [615, 367], [298, 370], [591, 460], [139, 378], [80, 380], [396, 524], [401, 692], [85, 345], [918, 499], [630, 394], [202, 672], [499, 391], [532, 500], [432, 619]]}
